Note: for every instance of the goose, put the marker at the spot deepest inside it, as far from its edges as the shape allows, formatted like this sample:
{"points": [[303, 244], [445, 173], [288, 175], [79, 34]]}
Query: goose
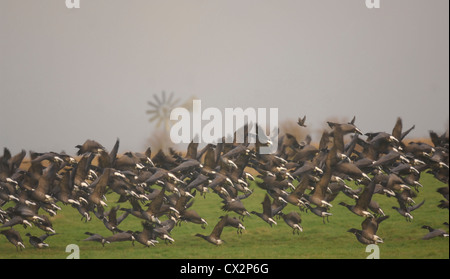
{"points": [[301, 121], [128, 161], [235, 223], [162, 233], [362, 204], [16, 220], [121, 236], [41, 192], [433, 233], [214, 237], [100, 187], [182, 214], [108, 160], [111, 221], [193, 217], [14, 237], [369, 229], [96, 238], [293, 220], [81, 171], [64, 189], [161, 174], [320, 211], [390, 158], [405, 210], [89, 146], [318, 197], [266, 215], [38, 242], [144, 237], [235, 205], [346, 128], [154, 207], [375, 208]]}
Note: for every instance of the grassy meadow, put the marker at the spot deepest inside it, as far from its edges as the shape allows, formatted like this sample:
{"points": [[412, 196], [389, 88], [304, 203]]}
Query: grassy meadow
{"points": [[402, 239]]}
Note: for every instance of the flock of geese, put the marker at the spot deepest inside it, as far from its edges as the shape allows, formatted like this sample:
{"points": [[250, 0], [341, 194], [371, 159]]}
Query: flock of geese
{"points": [[160, 189]]}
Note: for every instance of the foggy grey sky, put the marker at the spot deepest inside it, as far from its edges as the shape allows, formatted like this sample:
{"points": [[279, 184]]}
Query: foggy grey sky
{"points": [[71, 75]]}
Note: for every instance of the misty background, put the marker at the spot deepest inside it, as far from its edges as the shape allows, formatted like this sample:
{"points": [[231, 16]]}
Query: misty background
{"points": [[67, 75]]}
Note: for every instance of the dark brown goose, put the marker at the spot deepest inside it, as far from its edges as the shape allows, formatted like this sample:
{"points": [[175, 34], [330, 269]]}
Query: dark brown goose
{"points": [[266, 215], [362, 204], [111, 221], [214, 237], [235, 223], [301, 121], [38, 242], [144, 237], [14, 237], [369, 229], [89, 146], [45, 182], [293, 220], [346, 128], [406, 210]]}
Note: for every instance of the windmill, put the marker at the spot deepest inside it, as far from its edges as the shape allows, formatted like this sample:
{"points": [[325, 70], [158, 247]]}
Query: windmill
{"points": [[159, 112]]}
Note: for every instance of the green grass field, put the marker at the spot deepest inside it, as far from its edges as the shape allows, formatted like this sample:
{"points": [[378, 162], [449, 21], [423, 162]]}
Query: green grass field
{"points": [[402, 239]]}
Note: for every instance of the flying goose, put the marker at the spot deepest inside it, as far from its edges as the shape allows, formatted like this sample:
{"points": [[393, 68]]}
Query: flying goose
{"points": [[433, 233], [301, 121], [144, 237], [111, 221], [89, 146], [346, 128], [293, 220], [214, 237], [14, 237], [369, 229], [121, 236], [40, 193], [406, 210], [235, 223], [38, 242], [16, 220], [266, 215], [96, 238], [362, 204], [100, 187], [320, 211]]}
